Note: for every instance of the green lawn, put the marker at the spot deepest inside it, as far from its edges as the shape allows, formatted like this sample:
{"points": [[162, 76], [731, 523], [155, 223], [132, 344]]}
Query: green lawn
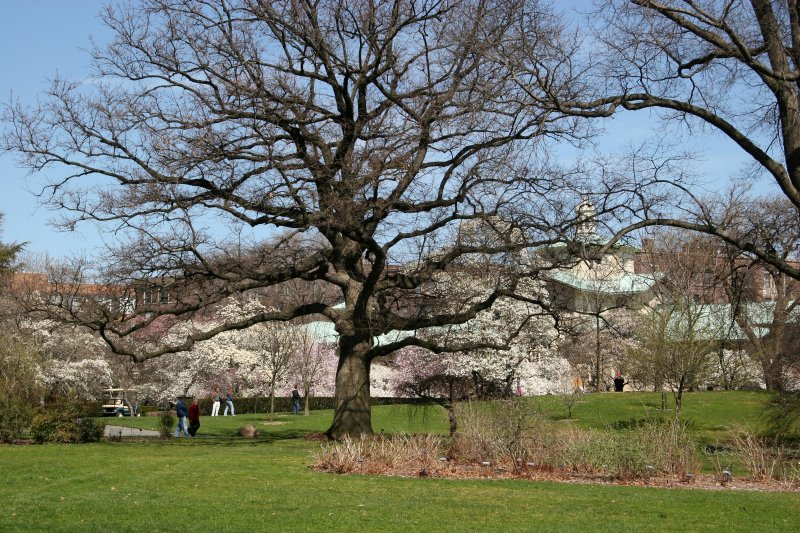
{"points": [[710, 415], [225, 483]]}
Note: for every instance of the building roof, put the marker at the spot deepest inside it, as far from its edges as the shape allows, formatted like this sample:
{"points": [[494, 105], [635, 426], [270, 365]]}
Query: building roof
{"points": [[715, 321], [323, 331], [592, 240], [626, 284]]}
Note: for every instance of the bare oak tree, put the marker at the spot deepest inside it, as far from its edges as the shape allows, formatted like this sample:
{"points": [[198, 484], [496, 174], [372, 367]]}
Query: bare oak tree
{"points": [[239, 145]]}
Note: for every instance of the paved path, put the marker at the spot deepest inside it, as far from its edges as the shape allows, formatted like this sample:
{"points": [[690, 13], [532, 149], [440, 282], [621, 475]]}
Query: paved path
{"points": [[121, 431]]}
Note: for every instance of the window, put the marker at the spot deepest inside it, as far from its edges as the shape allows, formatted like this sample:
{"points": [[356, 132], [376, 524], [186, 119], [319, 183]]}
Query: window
{"points": [[769, 282], [147, 297], [163, 296]]}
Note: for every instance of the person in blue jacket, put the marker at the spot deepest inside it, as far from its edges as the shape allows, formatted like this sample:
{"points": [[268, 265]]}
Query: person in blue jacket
{"points": [[183, 418], [229, 402]]}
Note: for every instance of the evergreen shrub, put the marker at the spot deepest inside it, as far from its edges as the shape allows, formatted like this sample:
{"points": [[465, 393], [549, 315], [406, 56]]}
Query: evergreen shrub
{"points": [[15, 416], [65, 425]]}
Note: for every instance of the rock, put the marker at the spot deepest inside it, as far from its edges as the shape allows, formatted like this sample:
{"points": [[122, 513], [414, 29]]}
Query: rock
{"points": [[248, 431]]}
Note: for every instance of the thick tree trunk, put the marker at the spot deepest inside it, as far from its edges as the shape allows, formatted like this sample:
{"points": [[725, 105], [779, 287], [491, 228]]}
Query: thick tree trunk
{"points": [[773, 372], [352, 413]]}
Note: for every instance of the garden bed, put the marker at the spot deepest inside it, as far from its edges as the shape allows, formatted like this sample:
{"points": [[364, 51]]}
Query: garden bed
{"points": [[450, 470]]}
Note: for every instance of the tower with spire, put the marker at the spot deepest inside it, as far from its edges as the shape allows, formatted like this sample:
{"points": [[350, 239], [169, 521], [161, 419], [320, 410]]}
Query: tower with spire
{"points": [[586, 218]]}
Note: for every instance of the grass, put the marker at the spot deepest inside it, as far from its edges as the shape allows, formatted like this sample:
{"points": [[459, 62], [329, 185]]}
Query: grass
{"points": [[390, 418], [225, 483], [230, 485], [711, 415]]}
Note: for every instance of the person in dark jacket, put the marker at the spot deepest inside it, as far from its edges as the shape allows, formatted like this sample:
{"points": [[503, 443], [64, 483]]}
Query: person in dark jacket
{"points": [[296, 400], [619, 382], [194, 418], [183, 423]]}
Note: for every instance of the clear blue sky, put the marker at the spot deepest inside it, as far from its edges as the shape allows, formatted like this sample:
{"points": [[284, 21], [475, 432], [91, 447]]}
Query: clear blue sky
{"points": [[39, 38]]}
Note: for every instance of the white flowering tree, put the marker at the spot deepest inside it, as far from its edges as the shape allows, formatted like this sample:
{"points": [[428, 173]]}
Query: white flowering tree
{"points": [[517, 334], [274, 343], [252, 360], [312, 365], [72, 360]]}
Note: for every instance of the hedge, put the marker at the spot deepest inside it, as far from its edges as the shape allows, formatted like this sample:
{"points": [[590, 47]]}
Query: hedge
{"points": [[284, 404]]}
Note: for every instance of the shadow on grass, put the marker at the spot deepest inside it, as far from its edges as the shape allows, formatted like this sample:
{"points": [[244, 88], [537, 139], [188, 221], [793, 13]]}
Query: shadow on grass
{"points": [[234, 439]]}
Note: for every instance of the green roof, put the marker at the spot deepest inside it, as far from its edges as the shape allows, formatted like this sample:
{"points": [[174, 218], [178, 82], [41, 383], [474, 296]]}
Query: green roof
{"points": [[323, 331], [625, 284], [592, 240], [715, 321]]}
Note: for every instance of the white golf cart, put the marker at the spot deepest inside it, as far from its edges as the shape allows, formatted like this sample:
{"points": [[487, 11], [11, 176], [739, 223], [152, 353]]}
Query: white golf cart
{"points": [[121, 402]]}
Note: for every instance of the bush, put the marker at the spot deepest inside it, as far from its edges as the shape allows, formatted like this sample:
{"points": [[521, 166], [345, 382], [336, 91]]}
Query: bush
{"points": [[783, 417], [165, 423], [763, 461], [376, 455], [64, 425], [15, 416], [513, 431], [476, 440], [656, 446], [90, 430], [341, 457]]}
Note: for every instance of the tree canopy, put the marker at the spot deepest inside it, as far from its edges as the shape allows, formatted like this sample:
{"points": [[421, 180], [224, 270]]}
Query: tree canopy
{"points": [[732, 66], [237, 146]]}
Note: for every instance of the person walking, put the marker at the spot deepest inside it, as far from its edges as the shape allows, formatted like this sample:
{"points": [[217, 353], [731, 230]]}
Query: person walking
{"points": [[229, 402], [183, 414], [215, 399], [296, 400], [194, 418], [619, 382]]}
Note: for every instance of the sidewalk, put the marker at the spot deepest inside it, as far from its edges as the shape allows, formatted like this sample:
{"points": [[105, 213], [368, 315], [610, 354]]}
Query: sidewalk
{"points": [[121, 431]]}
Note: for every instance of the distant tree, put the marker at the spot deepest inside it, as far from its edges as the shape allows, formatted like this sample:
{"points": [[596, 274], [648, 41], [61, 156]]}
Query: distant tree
{"points": [[20, 369], [674, 349], [310, 363], [274, 344], [569, 393], [764, 300], [8, 254]]}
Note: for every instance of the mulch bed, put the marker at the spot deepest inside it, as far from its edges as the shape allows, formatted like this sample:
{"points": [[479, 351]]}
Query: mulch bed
{"points": [[448, 470]]}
